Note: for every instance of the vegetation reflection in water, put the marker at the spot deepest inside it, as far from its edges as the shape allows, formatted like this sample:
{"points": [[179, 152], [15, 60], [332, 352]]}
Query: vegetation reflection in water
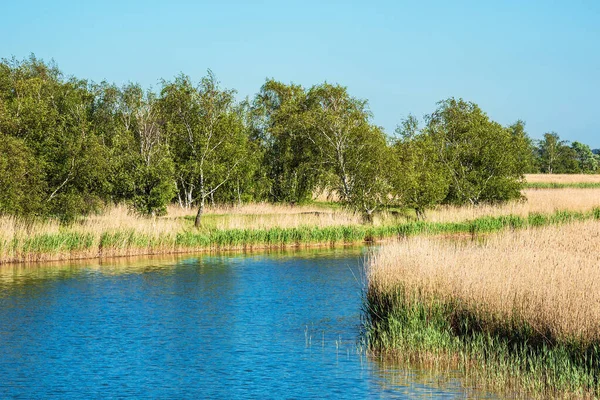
{"points": [[268, 324]]}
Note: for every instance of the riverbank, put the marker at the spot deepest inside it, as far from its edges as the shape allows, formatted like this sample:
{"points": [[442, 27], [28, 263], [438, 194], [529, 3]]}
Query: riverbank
{"points": [[117, 232], [517, 311], [71, 243]]}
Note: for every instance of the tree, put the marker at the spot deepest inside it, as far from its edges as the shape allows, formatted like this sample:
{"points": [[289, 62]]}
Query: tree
{"points": [[419, 178], [481, 157], [143, 167], [53, 118], [207, 137], [289, 156], [585, 157], [370, 186], [338, 127], [526, 150], [21, 179], [556, 156]]}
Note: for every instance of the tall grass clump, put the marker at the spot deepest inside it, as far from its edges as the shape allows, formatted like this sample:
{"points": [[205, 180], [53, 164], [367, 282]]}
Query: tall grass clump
{"points": [[518, 310]]}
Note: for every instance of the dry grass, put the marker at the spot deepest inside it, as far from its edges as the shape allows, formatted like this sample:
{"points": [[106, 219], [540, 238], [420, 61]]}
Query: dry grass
{"points": [[547, 277], [562, 178], [537, 201], [245, 209], [114, 219], [118, 232], [265, 216]]}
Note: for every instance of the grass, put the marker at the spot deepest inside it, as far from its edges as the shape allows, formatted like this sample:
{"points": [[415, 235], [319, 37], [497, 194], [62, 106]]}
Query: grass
{"points": [[75, 243], [557, 185], [562, 178], [518, 310], [562, 181], [537, 201], [119, 233]]}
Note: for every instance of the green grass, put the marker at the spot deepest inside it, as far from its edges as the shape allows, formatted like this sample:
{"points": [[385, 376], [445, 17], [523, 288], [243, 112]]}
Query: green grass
{"points": [[507, 356], [550, 185]]}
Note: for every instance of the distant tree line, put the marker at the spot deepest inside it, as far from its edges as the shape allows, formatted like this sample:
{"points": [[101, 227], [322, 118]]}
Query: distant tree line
{"points": [[69, 147]]}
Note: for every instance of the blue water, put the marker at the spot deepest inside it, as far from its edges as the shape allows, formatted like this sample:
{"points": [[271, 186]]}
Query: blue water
{"points": [[283, 325]]}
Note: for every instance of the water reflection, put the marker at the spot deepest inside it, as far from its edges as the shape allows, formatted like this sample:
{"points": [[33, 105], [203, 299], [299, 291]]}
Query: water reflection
{"points": [[278, 324]]}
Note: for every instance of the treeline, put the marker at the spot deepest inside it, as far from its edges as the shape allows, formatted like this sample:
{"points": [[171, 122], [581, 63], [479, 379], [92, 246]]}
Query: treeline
{"points": [[69, 146], [552, 155]]}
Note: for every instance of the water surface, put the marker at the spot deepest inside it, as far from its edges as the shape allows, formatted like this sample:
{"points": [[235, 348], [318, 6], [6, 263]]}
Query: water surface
{"points": [[278, 325]]}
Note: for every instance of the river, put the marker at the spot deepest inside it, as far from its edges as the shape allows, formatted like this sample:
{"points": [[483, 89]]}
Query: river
{"points": [[271, 325]]}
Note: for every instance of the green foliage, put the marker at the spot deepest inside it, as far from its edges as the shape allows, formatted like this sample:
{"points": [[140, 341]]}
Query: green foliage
{"points": [[206, 135], [483, 160], [419, 178], [587, 161], [289, 155], [21, 179], [70, 146], [556, 157]]}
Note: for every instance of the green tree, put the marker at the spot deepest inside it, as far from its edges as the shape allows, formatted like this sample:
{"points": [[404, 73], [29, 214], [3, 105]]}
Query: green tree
{"points": [[289, 155], [556, 156], [207, 136], [21, 179], [143, 166], [481, 157], [419, 178], [337, 126], [53, 117], [585, 157]]}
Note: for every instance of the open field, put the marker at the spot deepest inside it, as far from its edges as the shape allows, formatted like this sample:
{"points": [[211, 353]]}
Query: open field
{"points": [[535, 201], [518, 308], [561, 181]]}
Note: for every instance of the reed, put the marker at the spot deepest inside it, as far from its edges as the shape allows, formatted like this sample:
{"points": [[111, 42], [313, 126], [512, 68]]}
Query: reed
{"points": [[518, 310]]}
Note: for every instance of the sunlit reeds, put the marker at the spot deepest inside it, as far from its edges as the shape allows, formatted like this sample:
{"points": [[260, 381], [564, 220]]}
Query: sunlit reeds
{"points": [[522, 306]]}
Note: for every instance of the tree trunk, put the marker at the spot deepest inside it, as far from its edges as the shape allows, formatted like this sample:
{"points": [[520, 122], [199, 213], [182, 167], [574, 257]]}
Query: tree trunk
{"points": [[198, 221], [420, 214], [368, 216]]}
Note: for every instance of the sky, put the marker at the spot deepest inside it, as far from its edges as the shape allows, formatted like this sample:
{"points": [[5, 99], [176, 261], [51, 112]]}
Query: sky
{"points": [[536, 61]]}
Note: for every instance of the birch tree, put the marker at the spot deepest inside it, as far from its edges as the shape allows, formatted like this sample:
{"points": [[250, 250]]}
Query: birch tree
{"points": [[207, 137], [350, 150]]}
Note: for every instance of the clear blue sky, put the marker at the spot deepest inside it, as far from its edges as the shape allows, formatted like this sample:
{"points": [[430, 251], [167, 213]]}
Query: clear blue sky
{"points": [[538, 61]]}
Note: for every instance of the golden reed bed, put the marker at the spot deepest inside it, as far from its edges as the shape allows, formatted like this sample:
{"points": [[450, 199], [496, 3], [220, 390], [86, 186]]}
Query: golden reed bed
{"points": [[548, 277]]}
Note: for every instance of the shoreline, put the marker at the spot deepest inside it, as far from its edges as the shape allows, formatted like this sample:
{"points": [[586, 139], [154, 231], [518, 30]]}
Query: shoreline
{"points": [[72, 245]]}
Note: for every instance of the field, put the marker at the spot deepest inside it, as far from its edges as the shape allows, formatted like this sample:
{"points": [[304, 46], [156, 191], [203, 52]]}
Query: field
{"points": [[561, 181], [517, 311]]}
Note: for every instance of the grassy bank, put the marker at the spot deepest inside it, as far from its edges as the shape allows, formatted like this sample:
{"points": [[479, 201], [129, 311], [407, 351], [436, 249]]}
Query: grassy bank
{"points": [[518, 311], [167, 236]]}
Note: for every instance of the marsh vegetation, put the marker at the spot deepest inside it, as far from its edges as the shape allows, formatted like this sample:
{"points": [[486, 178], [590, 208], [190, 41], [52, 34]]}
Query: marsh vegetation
{"points": [[516, 310]]}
